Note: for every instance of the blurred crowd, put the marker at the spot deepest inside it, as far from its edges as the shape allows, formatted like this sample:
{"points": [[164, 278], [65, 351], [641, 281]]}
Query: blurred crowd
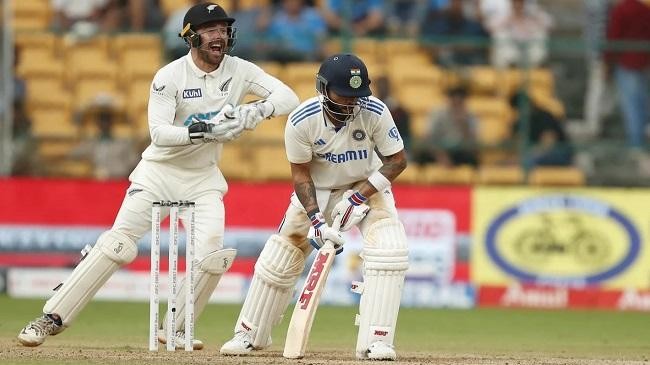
{"points": [[501, 34]]}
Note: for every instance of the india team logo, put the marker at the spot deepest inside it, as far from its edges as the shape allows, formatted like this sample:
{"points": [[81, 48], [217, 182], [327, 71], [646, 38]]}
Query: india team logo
{"points": [[358, 135], [355, 80]]}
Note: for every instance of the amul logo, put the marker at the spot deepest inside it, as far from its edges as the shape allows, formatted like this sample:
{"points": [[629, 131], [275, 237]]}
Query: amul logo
{"points": [[312, 279], [381, 333]]}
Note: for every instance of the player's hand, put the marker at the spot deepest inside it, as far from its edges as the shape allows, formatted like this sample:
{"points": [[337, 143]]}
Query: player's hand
{"points": [[351, 208], [220, 128], [226, 131], [323, 232], [252, 114]]}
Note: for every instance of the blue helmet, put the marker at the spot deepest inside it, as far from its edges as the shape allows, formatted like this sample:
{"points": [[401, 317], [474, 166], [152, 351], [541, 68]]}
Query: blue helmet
{"points": [[346, 75]]}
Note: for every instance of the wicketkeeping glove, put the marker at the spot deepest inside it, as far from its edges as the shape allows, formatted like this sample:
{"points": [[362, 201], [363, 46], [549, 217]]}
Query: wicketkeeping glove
{"points": [[351, 208], [323, 232], [220, 128], [252, 114]]}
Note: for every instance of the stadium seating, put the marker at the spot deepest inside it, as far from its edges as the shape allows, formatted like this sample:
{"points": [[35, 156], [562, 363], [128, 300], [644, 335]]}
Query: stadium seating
{"points": [[236, 161], [271, 163], [500, 175], [557, 176], [63, 74], [31, 15], [442, 175]]}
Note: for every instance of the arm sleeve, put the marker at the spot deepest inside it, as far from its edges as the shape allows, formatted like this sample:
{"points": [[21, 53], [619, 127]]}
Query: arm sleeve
{"points": [[283, 99], [297, 145], [162, 110], [386, 136]]}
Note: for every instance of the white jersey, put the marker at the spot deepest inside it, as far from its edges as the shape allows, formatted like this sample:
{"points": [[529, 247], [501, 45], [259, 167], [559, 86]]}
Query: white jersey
{"points": [[344, 156], [182, 94]]}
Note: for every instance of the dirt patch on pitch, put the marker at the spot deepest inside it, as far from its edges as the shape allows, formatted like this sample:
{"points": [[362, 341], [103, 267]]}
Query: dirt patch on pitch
{"points": [[12, 353]]}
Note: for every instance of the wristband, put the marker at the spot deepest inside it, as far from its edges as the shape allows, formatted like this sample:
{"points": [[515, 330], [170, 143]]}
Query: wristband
{"points": [[357, 199], [379, 181], [317, 219]]}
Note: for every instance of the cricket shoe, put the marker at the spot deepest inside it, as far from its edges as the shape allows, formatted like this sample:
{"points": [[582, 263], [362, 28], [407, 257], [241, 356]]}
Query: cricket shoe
{"points": [[36, 331], [179, 339], [240, 344], [379, 350]]}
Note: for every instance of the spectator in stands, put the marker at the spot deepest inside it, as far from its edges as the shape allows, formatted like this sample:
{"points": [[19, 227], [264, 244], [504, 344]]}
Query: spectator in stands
{"points": [[630, 21], [112, 157], [597, 100], [79, 13], [452, 23], [452, 135], [24, 146], [520, 37], [404, 17], [359, 17], [296, 33], [255, 21], [133, 15], [547, 139], [175, 46], [383, 91]]}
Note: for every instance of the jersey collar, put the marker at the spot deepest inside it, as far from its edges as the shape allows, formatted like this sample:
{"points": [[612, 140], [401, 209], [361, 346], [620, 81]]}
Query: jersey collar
{"points": [[200, 73]]}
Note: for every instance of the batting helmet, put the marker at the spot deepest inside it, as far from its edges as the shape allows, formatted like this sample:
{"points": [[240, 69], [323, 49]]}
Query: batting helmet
{"points": [[345, 74], [201, 14]]}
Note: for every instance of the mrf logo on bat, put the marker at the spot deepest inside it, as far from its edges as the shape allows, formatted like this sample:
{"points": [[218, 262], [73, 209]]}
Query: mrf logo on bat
{"points": [[312, 280]]}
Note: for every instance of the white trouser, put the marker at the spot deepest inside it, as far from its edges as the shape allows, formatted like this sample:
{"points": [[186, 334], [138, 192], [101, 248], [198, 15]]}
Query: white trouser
{"points": [[154, 182]]}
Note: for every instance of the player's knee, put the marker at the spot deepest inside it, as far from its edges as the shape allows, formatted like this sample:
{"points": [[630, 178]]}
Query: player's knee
{"points": [[301, 243], [280, 261], [118, 247], [385, 233]]}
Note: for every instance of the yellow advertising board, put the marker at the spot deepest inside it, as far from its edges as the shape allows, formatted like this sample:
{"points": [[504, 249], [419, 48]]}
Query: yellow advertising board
{"points": [[577, 237]]}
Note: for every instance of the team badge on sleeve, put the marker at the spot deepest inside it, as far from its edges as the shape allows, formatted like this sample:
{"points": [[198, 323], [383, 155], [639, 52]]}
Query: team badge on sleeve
{"points": [[394, 134]]}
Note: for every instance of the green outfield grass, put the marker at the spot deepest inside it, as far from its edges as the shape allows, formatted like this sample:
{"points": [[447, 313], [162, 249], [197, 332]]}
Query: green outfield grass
{"points": [[479, 332]]}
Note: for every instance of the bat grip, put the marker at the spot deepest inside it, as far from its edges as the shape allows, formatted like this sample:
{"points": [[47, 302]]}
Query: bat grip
{"points": [[337, 222]]}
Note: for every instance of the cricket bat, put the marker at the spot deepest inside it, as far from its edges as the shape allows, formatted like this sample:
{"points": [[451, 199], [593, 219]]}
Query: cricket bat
{"points": [[307, 304]]}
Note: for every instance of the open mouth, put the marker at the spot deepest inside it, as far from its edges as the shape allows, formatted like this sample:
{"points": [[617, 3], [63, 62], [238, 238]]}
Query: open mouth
{"points": [[216, 47]]}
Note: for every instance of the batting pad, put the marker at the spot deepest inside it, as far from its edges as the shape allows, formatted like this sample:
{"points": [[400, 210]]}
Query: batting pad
{"points": [[111, 251], [385, 260], [209, 272], [276, 272]]}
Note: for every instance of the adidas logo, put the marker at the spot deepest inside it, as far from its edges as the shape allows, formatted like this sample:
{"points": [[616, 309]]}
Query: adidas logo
{"points": [[320, 142]]}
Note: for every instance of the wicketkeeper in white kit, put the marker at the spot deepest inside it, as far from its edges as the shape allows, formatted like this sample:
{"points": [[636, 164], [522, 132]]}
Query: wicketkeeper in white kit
{"points": [[331, 141], [190, 116]]}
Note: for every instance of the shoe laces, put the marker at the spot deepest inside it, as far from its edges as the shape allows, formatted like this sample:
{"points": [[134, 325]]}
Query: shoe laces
{"points": [[43, 326]]}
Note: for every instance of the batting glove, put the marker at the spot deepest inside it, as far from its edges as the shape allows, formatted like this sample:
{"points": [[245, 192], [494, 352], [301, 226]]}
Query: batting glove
{"points": [[351, 208], [323, 232], [252, 114]]}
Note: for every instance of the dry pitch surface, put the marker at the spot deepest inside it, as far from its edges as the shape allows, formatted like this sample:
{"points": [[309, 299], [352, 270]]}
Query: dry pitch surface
{"points": [[115, 333], [12, 353]]}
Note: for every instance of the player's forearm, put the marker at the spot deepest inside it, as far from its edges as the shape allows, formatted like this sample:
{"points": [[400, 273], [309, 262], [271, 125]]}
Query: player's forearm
{"points": [[393, 166], [169, 135], [284, 100], [303, 185]]}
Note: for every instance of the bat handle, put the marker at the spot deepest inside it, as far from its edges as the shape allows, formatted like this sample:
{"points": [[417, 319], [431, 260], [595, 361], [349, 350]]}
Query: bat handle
{"points": [[337, 222]]}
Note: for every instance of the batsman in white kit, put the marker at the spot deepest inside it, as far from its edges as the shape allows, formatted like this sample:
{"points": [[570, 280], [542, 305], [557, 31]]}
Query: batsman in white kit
{"points": [[333, 143], [194, 107]]}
